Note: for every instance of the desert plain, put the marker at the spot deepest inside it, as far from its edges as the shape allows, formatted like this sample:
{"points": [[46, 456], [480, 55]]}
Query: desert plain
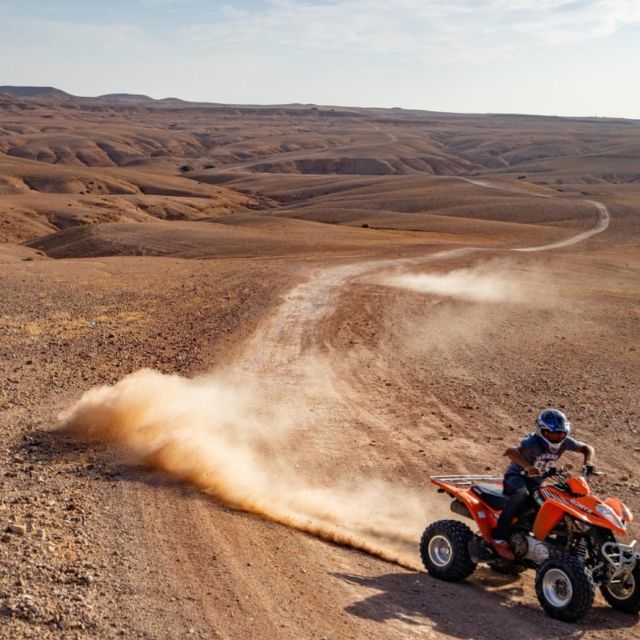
{"points": [[294, 315]]}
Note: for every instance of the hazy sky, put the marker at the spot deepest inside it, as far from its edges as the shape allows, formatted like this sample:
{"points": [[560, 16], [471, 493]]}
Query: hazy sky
{"points": [[562, 57]]}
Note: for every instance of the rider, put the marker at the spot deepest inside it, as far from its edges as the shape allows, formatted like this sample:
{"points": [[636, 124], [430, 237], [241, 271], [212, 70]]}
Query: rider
{"points": [[538, 452]]}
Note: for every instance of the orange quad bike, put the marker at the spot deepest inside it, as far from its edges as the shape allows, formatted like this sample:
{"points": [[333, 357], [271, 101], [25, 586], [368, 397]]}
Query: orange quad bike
{"points": [[565, 533]]}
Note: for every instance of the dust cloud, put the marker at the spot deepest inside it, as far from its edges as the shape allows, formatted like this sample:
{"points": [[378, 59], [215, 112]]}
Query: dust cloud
{"points": [[444, 319], [233, 442], [475, 285]]}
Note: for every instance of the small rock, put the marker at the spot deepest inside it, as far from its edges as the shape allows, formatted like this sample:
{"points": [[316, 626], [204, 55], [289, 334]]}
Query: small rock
{"points": [[17, 529]]}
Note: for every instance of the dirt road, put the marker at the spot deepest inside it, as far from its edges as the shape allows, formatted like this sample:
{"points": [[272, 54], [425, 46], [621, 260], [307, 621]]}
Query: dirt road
{"points": [[350, 391], [359, 406]]}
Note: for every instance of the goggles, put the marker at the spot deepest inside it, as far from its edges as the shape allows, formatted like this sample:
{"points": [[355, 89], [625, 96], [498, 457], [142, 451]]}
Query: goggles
{"points": [[554, 436]]}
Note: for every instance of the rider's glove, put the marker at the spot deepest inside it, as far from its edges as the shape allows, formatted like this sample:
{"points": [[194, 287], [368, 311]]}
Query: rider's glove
{"points": [[589, 470]]}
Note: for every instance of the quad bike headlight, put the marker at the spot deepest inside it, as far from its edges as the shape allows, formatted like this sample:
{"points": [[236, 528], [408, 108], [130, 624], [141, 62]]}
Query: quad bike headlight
{"points": [[609, 514]]}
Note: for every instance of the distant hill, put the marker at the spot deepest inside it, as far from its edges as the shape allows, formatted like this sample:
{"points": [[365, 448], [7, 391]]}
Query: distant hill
{"points": [[35, 92], [51, 93], [125, 98], [175, 101]]}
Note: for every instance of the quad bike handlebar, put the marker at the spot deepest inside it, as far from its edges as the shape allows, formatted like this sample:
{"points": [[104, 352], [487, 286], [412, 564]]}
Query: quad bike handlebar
{"points": [[588, 470]]}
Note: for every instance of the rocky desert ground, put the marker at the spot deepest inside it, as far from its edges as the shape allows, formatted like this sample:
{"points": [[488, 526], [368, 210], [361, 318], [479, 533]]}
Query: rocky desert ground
{"points": [[291, 317]]}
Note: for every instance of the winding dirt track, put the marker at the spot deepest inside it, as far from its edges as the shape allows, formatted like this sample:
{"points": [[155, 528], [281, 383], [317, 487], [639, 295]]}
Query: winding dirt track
{"points": [[601, 225], [236, 575]]}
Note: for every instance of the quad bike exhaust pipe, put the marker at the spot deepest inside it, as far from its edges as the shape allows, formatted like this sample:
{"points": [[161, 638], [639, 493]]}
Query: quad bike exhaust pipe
{"points": [[461, 509]]}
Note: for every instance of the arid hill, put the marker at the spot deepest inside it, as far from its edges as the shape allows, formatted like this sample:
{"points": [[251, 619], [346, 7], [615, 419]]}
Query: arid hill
{"points": [[69, 161], [44, 93]]}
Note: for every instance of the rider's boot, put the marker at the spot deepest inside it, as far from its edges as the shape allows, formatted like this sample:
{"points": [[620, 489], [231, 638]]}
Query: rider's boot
{"points": [[503, 549]]}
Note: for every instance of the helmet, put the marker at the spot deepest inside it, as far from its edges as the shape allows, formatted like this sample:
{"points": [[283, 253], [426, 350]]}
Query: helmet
{"points": [[553, 427]]}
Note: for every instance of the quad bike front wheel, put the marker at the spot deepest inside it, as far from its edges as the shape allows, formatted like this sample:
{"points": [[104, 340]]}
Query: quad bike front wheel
{"points": [[624, 595], [564, 588], [444, 549]]}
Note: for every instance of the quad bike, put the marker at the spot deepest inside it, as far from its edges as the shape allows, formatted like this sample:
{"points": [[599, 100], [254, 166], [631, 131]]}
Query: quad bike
{"points": [[565, 533]]}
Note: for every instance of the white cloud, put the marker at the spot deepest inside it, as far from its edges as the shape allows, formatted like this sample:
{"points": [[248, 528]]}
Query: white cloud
{"points": [[83, 38], [105, 35], [435, 30], [572, 21]]}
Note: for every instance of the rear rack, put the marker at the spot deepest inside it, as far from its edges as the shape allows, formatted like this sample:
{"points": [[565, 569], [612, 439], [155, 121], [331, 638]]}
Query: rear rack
{"points": [[465, 480]]}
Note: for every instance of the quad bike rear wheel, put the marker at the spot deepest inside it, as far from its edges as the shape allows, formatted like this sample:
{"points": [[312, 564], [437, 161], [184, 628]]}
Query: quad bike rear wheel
{"points": [[444, 549], [625, 595], [564, 588]]}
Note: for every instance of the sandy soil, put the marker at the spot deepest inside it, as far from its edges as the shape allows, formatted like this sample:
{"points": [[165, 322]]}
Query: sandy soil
{"points": [[360, 378]]}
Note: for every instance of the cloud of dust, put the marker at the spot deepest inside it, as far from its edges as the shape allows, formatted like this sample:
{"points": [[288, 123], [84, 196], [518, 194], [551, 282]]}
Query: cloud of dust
{"points": [[475, 285], [230, 441], [466, 309]]}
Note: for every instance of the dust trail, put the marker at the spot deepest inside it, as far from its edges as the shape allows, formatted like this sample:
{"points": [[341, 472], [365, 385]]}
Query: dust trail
{"points": [[259, 434], [476, 285], [230, 445]]}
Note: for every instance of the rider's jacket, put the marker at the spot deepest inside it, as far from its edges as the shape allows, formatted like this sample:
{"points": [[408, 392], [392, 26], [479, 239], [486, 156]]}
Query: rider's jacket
{"points": [[536, 451]]}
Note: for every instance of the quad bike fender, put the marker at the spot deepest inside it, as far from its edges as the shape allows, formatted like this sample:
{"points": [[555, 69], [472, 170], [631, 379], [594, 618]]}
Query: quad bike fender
{"points": [[549, 515], [622, 511], [484, 517], [552, 511]]}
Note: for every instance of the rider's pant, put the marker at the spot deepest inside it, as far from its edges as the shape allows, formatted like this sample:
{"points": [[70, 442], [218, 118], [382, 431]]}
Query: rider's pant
{"points": [[518, 488]]}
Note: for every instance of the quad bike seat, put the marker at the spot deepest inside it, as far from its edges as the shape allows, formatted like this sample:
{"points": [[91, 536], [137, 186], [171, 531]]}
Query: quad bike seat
{"points": [[490, 494]]}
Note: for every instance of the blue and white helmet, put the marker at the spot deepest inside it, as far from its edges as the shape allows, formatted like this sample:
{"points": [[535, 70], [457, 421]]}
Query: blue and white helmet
{"points": [[553, 427]]}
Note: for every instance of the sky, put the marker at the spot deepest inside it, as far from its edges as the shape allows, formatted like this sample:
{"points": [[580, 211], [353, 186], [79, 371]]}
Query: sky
{"points": [[552, 57]]}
